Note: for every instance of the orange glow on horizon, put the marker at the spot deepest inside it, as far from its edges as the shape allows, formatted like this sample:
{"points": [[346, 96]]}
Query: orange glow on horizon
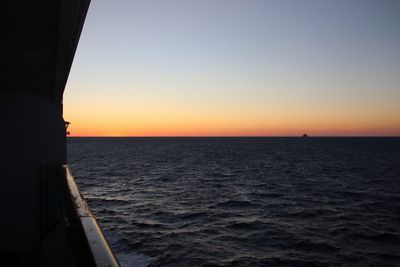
{"points": [[119, 116], [219, 128]]}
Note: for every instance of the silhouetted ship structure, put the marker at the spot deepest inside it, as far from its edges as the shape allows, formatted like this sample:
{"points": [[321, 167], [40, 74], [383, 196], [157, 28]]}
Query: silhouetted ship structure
{"points": [[44, 219], [305, 135]]}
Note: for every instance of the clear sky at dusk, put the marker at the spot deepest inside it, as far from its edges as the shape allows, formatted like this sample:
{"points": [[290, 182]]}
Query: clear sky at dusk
{"points": [[236, 67]]}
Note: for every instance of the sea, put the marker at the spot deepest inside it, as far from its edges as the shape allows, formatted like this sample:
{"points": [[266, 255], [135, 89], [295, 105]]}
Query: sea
{"points": [[244, 201]]}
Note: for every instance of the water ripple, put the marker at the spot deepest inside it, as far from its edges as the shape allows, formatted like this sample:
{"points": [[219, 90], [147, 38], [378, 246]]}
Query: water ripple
{"points": [[244, 201]]}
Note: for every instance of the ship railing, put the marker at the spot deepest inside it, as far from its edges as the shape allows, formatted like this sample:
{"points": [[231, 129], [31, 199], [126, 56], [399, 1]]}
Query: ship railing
{"points": [[100, 249]]}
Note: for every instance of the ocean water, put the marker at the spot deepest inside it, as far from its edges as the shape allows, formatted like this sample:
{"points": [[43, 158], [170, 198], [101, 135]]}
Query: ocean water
{"points": [[244, 201]]}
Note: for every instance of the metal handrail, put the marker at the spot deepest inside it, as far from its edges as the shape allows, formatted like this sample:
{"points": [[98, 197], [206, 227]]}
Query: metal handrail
{"points": [[99, 247]]}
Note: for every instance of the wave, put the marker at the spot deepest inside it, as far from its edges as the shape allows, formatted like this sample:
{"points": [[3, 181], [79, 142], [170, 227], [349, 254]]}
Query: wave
{"points": [[244, 202]]}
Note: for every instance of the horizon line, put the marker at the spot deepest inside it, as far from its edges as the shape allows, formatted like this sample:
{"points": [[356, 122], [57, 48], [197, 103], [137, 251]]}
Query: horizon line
{"points": [[231, 136]]}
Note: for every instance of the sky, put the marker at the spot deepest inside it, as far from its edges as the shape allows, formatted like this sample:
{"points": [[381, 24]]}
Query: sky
{"points": [[237, 68]]}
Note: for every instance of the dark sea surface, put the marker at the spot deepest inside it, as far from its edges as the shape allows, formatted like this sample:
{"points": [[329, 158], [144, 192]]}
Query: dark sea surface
{"points": [[244, 201]]}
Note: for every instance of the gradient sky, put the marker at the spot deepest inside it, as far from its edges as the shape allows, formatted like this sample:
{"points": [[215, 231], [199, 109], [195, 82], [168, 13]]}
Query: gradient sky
{"points": [[236, 67]]}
